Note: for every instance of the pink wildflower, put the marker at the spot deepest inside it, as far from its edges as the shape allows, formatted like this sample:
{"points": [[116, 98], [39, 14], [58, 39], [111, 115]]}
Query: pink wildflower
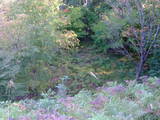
{"points": [[115, 90], [99, 102], [68, 103]]}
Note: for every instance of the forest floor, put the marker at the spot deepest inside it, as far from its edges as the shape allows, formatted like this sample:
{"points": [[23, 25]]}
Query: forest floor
{"points": [[104, 65], [86, 65]]}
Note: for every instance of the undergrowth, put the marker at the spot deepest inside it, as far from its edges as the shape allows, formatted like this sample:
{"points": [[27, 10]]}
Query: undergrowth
{"points": [[110, 102]]}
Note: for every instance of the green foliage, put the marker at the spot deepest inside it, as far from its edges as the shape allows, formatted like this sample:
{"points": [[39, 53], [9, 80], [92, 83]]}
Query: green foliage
{"points": [[76, 24], [44, 40], [35, 70], [73, 2], [8, 67], [80, 21], [149, 116], [8, 70], [154, 64], [107, 31]]}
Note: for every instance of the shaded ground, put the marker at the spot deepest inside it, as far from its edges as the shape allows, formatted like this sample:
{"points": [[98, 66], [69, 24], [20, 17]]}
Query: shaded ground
{"points": [[105, 67]]}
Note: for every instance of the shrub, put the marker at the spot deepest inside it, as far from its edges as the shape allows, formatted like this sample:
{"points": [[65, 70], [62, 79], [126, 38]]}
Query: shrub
{"points": [[153, 62], [44, 41], [107, 37], [80, 21]]}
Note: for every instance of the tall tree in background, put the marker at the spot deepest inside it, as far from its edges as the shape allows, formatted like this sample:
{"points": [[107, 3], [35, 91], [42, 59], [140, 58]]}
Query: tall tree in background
{"points": [[142, 17], [138, 21], [147, 36]]}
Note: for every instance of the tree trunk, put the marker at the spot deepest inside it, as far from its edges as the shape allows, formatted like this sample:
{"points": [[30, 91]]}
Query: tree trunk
{"points": [[140, 70]]}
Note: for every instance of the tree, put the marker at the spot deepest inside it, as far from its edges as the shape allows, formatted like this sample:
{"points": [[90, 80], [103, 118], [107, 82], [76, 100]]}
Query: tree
{"points": [[141, 26], [147, 37]]}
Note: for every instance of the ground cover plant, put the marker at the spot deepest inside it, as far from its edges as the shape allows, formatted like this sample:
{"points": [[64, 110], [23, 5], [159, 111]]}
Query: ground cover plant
{"points": [[111, 102]]}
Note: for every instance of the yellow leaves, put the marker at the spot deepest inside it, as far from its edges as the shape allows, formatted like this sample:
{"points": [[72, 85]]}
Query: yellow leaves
{"points": [[105, 18], [70, 34], [64, 20], [98, 6], [123, 59], [150, 4], [68, 40], [128, 33], [46, 69], [104, 72]]}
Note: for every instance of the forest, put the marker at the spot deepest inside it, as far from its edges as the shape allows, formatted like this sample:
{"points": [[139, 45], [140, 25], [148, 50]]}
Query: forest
{"points": [[79, 59]]}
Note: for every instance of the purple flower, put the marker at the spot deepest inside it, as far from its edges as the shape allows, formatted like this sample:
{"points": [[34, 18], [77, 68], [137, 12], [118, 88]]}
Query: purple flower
{"points": [[50, 116], [158, 82], [24, 118], [11, 118], [99, 102], [115, 90], [139, 92], [68, 102], [55, 79]]}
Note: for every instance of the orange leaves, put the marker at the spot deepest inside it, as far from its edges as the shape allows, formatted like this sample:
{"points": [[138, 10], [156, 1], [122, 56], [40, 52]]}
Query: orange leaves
{"points": [[66, 10]]}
